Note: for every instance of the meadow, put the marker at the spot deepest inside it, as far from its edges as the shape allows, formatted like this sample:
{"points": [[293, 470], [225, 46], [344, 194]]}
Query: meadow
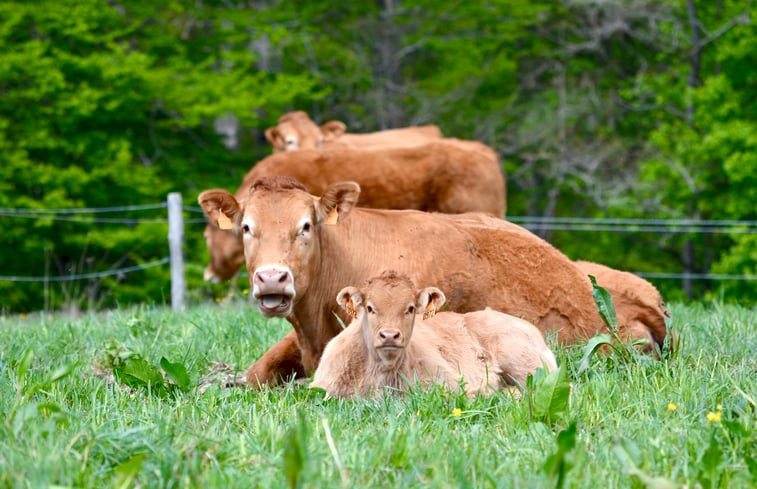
{"points": [[164, 420]]}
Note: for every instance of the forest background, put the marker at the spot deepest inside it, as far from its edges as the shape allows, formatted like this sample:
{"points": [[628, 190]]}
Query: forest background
{"points": [[597, 108]]}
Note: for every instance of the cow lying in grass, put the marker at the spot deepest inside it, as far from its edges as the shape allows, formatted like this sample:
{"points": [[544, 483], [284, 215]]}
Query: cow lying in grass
{"points": [[389, 345], [296, 130], [300, 250]]}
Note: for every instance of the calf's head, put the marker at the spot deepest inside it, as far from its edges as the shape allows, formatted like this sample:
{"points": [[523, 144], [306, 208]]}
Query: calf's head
{"points": [[296, 130], [386, 307], [280, 223]]}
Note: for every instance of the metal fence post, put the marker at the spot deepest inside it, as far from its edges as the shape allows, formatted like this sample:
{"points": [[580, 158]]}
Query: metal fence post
{"points": [[175, 244]]}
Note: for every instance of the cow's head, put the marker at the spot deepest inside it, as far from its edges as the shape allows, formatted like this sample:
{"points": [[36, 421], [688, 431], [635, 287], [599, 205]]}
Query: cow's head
{"points": [[386, 307], [280, 223], [296, 130], [226, 253]]}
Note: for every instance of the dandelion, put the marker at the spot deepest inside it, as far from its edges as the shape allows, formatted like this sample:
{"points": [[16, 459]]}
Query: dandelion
{"points": [[457, 412], [672, 407], [713, 417]]}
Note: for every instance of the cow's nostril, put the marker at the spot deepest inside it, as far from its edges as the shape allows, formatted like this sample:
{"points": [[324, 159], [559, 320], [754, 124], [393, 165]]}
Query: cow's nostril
{"points": [[283, 277]]}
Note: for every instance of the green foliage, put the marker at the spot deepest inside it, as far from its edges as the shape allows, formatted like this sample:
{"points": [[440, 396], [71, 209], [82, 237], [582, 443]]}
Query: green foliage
{"points": [[561, 461], [595, 110], [547, 394]]}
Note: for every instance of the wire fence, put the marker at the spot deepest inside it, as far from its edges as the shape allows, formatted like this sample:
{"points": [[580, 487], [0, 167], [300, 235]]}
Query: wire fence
{"points": [[533, 223]]}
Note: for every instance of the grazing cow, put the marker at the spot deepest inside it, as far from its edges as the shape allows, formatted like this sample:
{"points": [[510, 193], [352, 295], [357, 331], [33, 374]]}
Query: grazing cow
{"points": [[296, 130], [396, 339], [300, 250], [450, 176]]}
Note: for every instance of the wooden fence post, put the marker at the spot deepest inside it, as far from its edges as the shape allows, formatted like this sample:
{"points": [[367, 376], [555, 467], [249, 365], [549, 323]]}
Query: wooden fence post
{"points": [[175, 244]]}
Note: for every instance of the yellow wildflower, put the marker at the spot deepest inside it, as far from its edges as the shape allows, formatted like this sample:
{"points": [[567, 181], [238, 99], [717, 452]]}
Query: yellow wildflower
{"points": [[457, 412], [720, 407], [672, 407], [713, 417]]}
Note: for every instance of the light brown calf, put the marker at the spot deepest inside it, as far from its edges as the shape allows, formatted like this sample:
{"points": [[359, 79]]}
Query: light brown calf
{"points": [[300, 250], [296, 130], [396, 338], [450, 176]]}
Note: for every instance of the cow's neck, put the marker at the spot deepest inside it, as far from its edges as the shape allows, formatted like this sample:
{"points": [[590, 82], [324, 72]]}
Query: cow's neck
{"points": [[314, 316]]}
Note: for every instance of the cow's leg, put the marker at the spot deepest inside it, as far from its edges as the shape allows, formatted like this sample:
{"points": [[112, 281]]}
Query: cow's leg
{"points": [[277, 364]]}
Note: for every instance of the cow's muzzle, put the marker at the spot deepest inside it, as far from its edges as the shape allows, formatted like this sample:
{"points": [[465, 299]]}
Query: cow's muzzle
{"points": [[273, 287], [210, 276]]}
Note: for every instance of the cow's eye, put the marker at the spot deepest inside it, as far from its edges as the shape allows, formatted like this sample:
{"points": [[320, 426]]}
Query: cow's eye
{"points": [[291, 143], [411, 309], [245, 228], [305, 229], [369, 308]]}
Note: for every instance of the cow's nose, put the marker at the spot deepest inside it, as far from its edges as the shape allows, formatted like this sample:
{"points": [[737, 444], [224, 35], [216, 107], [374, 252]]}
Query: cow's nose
{"points": [[272, 281], [389, 335], [210, 276], [271, 277]]}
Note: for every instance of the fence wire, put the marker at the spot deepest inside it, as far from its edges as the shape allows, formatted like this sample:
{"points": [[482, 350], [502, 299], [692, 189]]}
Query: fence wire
{"points": [[533, 223]]}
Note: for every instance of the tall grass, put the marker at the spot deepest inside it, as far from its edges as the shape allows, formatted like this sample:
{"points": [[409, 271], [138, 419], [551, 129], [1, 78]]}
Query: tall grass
{"points": [[687, 420]]}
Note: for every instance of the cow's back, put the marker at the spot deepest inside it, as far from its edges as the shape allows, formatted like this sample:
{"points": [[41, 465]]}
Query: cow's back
{"points": [[450, 176], [476, 260]]}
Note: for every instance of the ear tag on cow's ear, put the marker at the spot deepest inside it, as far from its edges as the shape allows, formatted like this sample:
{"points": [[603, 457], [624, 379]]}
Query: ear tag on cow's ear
{"points": [[333, 217], [430, 311], [223, 220], [351, 309]]}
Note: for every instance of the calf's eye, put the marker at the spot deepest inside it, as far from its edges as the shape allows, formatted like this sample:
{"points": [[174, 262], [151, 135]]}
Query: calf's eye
{"points": [[369, 308], [410, 310], [245, 228]]}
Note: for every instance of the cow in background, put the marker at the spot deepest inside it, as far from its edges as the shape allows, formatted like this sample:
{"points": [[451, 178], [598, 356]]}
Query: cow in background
{"points": [[450, 176], [296, 130]]}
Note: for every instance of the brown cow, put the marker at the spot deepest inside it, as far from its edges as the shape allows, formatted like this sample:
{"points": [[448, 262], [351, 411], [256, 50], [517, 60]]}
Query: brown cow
{"points": [[296, 130], [300, 250], [450, 176], [396, 339]]}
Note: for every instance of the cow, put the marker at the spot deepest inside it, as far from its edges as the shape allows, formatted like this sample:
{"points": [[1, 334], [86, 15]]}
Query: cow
{"points": [[396, 339], [296, 130], [451, 176], [300, 250]]}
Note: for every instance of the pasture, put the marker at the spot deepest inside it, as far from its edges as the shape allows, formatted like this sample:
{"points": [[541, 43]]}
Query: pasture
{"points": [[688, 420]]}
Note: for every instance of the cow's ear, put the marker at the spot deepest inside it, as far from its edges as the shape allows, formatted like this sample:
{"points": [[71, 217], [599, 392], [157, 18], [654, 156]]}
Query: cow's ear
{"points": [[333, 129], [337, 201], [430, 300], [221, 208], [351, 300], [273, 135]]}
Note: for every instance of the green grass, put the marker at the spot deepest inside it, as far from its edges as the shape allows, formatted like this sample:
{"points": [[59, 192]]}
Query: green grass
{"points": [[79, 430]]}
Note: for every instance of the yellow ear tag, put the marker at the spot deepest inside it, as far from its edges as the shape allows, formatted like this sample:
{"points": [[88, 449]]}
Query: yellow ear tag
{"points": [[351, 309], [430, 311], [333, 217], [223, 220]]}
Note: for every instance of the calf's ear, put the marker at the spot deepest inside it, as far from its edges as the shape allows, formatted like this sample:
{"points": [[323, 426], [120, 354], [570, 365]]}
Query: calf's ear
{"points": [[337, 201], [332, 130], [430, 300], [221, 208], [350, 299], [274, 137]]}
